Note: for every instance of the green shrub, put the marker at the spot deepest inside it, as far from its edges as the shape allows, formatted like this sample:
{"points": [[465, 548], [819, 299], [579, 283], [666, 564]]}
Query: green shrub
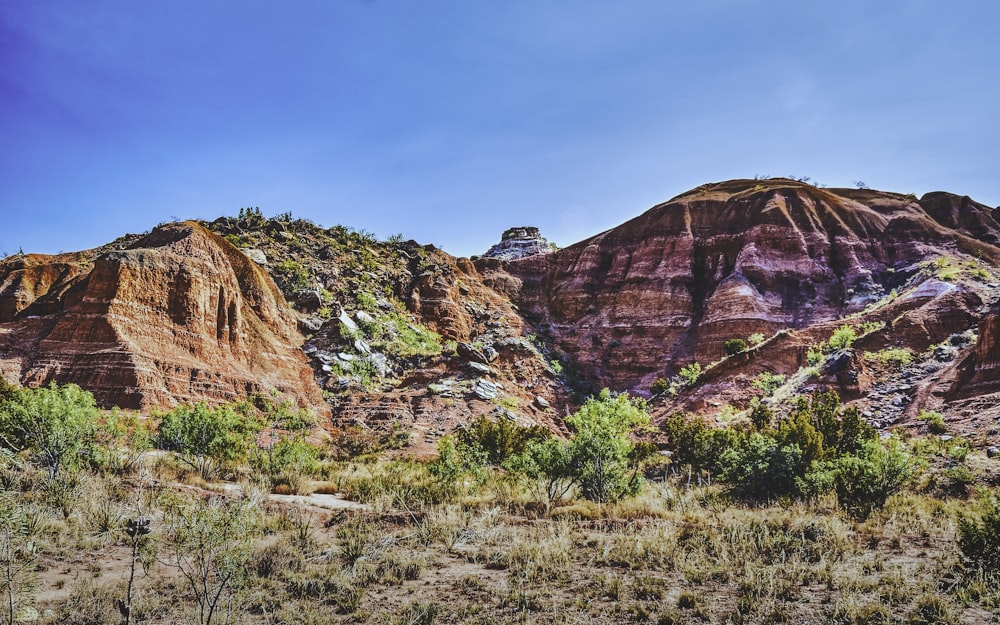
{"points": [[864, 480], [735, 346], [761, 469], [934, 421], [291, 276], [979, 540], [693, 443], [659, 387], [797, 458], [689, 374], [892, 356], [842, 338], [54, 423], [756, 339], [768, 382], [498, 440]]}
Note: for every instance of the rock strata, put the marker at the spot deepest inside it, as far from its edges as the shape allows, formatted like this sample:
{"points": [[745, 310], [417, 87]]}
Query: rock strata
{"points": [[516, 243], [728, 260], [179, 316]]}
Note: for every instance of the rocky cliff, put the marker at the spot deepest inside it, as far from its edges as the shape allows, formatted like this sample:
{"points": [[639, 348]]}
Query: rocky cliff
{"points": [[403, 337], [728, 260], [179, 315]]}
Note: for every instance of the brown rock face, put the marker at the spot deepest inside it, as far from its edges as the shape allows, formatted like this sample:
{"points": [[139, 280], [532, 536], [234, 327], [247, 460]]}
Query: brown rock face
{"points": [[727, 260], [983, 369], [179, 316]]}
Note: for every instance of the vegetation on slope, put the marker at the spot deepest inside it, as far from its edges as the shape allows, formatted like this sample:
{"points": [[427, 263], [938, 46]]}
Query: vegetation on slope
{"points": [[807, 517]]}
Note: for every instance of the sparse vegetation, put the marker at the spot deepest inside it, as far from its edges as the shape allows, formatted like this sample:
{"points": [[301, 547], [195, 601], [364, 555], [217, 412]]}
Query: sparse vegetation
{"points": [[777, 526], [767, 383], [894, 357], [735, 346]]}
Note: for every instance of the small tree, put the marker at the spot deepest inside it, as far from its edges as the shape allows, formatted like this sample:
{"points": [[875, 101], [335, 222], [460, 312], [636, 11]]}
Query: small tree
{"points": [[53, 422], [548, 463], [600, 447], [201, 436], [209, 544]]}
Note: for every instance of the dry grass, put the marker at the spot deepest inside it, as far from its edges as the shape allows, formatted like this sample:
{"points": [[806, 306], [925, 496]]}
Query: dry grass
{"points": [[675, 554]]}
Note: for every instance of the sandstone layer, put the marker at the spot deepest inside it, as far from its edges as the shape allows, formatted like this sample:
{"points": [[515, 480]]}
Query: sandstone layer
{"points": [[178, 316], [727, 260]]}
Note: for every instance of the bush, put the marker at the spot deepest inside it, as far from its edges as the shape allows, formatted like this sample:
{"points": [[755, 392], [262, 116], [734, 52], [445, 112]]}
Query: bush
{"points": [[55, 423], [291, 276], [893, 356], [768, 382], [601, 448], [498, 440], [735, 346], [761, 469], [659, 387], [843, 337], [694, 444], [202, 436], [979, 540], [690, 373], [934, 420], [798, 459], [865, 480]]}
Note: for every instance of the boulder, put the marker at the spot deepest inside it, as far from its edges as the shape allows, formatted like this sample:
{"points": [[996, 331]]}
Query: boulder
{"points": [[485, 390], [257, 256], [471, 353]]}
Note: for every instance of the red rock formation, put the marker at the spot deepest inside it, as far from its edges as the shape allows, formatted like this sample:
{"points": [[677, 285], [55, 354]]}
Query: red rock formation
{"points": [[727, 260], [179, 316]]}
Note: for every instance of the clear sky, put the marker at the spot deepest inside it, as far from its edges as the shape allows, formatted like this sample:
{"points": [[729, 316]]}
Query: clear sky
{"points": [[451, 120]]}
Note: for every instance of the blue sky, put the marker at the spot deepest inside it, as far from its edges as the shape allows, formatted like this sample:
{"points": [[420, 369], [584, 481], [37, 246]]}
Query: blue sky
{"points": [[451, 120]]}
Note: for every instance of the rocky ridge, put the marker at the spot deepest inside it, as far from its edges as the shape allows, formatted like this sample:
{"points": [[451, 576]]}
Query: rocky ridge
{"points": [[406, 342]]}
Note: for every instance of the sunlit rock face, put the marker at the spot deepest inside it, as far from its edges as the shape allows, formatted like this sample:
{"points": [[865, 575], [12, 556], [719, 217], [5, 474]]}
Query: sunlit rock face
{"points": [[178, 316], [727, 260], [518, 243]]}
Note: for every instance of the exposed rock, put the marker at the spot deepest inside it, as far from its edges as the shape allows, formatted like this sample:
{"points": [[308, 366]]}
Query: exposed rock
{"points": [[471, 353], [490, 353], [735, 258], [348, 323], [308, 300], [486, 390], [309, 325], [517, 243], [992, 451], [440, 389], [179, 316], [257, 256], [364, 318], [542, 403], [479, 368], [379, 362], [362, 346]]}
